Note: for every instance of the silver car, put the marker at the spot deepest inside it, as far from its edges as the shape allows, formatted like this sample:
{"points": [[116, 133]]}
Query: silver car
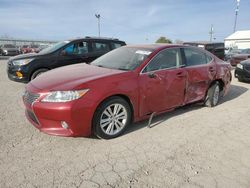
{"points": [[9, 49]]}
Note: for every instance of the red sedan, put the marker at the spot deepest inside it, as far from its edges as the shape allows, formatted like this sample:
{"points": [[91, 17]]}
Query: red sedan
{"points": [[125, 85]]}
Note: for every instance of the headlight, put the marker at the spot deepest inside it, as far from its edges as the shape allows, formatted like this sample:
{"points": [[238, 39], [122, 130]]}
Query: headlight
{"points": [[64, 96], [240, 66], [22, 62], [5, 51]]}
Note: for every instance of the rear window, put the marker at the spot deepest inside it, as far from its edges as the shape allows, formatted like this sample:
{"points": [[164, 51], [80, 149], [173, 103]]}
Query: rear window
{"points": [[100, 47], [195, 57], [9, 46], [115, 45]]}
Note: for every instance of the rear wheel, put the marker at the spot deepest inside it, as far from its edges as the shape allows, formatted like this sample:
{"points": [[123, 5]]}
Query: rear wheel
{"points": [[38, 73], [213, 95], [111, 118]]}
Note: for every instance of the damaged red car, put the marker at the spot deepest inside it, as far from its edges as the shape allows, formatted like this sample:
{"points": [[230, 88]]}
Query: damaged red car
{"points": [[126, 85]]}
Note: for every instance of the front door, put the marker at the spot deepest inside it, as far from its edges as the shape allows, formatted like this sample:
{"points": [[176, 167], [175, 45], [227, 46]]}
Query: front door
{"points": [[74, 53], [162, 82]]}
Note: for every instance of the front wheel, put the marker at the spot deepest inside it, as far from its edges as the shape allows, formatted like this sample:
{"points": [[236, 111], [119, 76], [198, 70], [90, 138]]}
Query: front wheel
{"points": [[213, 95], [111, 118], [38, 73]]}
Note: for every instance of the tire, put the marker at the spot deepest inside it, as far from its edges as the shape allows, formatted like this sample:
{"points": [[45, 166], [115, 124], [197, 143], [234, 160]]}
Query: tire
{"points": [[213, 95], [111, 118], [240, 79], [37, 73]]}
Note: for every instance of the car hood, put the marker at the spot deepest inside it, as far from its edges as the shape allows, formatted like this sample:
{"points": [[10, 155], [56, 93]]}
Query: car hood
{"points": [[25, 56], [71, 77]]}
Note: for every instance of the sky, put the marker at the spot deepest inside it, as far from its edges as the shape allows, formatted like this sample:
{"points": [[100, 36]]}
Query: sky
{"points": [[134, 21]]}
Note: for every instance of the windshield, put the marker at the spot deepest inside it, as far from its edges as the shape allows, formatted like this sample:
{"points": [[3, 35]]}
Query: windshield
{"points": [[124, 58], [9, 46], [53, 47], [245, 51]]}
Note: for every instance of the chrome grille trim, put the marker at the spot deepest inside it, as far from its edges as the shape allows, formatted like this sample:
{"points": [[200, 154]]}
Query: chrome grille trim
{"points": [[30, 97]]}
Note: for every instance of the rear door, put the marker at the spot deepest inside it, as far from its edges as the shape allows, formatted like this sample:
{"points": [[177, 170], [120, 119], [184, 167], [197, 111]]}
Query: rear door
{"points": [[98, 48], [162, 82], [201, 71]]}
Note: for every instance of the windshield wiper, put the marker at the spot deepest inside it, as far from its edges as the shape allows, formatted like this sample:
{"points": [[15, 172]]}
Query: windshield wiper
{"points": [[123, 69]]}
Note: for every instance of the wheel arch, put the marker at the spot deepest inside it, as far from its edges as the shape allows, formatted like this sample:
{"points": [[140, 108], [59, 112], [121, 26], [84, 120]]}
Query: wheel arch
{"points": [[220, 82], [33, 71]]}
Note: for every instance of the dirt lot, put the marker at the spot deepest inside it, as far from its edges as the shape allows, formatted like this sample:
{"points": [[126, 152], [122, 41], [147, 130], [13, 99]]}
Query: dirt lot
{"points": [[193, 146]]}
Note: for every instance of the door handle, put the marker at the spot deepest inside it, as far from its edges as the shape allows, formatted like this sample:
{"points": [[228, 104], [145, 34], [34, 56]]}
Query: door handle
{"points": [[180, 74], [211, 69]]}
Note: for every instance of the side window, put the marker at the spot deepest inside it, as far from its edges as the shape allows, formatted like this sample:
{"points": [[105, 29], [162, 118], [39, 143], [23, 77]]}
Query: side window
{"points": [[100, 47], [77, 48], [115, 45], [168, 58], [194, 57]]}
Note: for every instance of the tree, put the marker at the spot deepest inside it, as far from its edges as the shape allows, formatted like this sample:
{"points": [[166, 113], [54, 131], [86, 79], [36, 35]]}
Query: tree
{"points": [[163, 40]]}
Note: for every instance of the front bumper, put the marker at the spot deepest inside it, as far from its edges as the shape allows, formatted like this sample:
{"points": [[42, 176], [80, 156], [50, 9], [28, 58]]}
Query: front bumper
{"points": [[242, 74], [12, 73], [47, 117]]}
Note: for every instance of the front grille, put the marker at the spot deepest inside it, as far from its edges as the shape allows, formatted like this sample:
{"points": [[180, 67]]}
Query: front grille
{"points": [[32, 117], [247, 67], [30, 97]]}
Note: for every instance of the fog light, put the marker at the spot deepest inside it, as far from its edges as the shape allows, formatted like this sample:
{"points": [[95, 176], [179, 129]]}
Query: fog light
{"points": [[64, 125], [19, 74]]}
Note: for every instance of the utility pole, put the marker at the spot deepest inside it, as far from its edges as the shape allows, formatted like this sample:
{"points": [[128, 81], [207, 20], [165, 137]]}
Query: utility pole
{"points": [[98, 16], [211, 33], [236, 14]]}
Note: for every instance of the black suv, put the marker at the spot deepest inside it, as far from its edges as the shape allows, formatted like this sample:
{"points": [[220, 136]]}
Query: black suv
{"points": [[216, 48], [23, 68]]}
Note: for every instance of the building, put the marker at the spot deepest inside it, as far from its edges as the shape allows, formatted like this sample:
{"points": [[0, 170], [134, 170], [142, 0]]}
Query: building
{"points": [[239, 40], [20, 42]]}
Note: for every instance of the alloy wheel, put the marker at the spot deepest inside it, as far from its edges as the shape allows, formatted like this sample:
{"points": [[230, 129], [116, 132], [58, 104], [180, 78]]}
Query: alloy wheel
{"points": [[113, 119]]}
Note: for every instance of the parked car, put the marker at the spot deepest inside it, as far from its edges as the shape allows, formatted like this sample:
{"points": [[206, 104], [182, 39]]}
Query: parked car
{"points": [[25, 49], [242, 71], [34, 48], [9, 49], [26, 67], [236, 59], [216, 48], [231, 52], [126, 85]]}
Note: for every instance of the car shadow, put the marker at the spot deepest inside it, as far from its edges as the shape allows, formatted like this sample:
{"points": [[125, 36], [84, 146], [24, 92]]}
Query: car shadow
{"points": [[234, 92]]}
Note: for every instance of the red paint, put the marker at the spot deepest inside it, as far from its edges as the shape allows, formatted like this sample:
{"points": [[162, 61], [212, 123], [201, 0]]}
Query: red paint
{"points": [[169, 89]]}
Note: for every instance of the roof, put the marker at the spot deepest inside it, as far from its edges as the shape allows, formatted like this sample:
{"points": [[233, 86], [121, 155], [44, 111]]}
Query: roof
{"points": [[203, 42], [153, 46], [239, 35], [95, 38]]}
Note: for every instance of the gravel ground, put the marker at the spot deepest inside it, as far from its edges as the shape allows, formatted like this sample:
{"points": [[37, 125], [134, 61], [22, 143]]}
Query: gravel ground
{"points": [[193, 146]]}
